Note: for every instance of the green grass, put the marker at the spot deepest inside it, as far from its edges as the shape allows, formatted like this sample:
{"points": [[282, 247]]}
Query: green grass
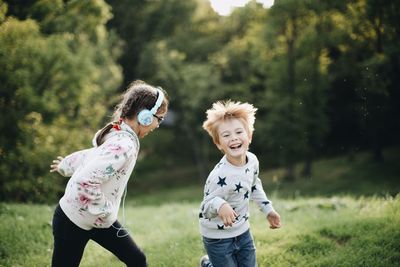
{"points": [[346, 214], [343, 231], [359, 175]]}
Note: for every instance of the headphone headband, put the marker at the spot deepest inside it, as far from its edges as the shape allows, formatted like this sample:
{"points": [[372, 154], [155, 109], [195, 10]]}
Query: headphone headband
{"points": [[145, 117], [160, 98]]}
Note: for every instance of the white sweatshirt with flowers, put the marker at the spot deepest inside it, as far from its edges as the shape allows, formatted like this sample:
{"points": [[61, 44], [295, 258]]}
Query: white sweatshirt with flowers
{"points": [[99, 176], [234, 185]]}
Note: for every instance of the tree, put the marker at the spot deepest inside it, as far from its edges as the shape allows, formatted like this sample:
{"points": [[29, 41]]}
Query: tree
{"points": [[374, 33], [55, 90]]}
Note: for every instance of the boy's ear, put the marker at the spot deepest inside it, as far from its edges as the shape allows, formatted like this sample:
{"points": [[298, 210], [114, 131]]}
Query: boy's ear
{"points": [[218, 145]]}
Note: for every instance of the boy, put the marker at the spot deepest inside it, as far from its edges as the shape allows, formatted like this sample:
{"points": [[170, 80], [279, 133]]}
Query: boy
{"points": [[224, 212]]}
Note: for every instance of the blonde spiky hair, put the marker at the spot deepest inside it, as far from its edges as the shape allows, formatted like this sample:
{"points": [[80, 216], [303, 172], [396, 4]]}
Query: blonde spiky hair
{"points": [[225, 110]]}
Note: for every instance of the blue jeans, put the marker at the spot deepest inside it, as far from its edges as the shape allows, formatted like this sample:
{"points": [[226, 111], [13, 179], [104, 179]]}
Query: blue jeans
{"points": [[237, 251]]}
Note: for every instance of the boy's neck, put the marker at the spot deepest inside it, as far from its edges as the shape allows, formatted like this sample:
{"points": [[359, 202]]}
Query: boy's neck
{"points": [[239, 162]]}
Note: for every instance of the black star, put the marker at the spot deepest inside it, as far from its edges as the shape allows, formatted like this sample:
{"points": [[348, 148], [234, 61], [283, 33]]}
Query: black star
{"points": [[237, 218], [253, 188], [200, 215], [221, 181], [238, 186], [245, 217], [247, 170], [208, 192], [246, 195], [265, 202], [220, 227], [255, 172]]}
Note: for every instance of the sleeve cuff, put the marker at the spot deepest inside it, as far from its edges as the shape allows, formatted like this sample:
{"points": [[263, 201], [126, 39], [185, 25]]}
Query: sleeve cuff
{"points": [[64, 169], [267, 209], [218, 202]]}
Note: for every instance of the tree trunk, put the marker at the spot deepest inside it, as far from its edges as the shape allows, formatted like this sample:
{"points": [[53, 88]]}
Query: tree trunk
{"points": [[289, 175], [377, 153], [198, 157], [307, 170]]}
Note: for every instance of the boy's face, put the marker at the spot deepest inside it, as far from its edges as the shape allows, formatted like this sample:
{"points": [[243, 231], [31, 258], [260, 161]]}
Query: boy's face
{"points": [[233, 140]]}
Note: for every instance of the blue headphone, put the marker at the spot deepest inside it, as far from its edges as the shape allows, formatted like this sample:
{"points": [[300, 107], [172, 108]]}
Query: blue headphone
{"points": [[146, 117]]}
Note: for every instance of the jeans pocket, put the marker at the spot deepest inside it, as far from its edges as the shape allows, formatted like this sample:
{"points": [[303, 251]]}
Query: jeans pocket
{"points": [[211, 241]]}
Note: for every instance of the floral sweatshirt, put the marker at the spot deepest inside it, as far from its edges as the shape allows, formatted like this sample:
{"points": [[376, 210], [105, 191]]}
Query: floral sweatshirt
{"points": [[99, 176], [236, 186]]}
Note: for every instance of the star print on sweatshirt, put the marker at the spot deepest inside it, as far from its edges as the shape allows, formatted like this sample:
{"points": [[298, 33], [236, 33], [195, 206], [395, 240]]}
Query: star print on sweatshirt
{"points": [[236, 185]]}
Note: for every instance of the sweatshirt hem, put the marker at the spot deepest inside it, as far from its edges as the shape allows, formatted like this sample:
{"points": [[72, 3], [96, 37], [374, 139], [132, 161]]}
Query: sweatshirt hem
{"points": [[228, 233]]}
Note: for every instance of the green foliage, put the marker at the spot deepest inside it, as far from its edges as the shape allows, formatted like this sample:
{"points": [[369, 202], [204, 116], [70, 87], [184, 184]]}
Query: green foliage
{"points": [[55, 92], [322, 75], [357, 175]]}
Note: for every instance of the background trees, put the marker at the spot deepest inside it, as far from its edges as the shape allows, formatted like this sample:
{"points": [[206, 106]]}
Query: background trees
{"points": [[58, 74], [322, 75]]}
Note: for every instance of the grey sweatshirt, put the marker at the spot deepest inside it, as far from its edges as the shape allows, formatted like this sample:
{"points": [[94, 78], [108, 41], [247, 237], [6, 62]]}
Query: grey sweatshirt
{"points": [[236, 186]]}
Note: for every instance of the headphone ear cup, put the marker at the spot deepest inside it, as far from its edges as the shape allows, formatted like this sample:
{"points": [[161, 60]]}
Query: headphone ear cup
{"points": [[145, 117]]}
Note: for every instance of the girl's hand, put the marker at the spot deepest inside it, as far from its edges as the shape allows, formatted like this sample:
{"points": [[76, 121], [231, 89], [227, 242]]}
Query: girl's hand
{"points": [[227, 214], [274, 220], [56, 163]]}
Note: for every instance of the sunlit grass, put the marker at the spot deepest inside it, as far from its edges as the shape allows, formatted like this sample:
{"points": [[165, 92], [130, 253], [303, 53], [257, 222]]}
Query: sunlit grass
{"points": [[338, 231], [344, 215], [359, 175]]}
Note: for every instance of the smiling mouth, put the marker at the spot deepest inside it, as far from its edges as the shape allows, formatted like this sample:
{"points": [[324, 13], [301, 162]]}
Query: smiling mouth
{"points": [[234, 147]]}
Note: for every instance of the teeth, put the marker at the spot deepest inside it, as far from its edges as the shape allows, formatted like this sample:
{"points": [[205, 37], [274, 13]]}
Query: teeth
{"points": [[235, 147]]}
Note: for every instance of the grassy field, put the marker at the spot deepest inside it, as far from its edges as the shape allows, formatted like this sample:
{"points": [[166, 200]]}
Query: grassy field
{"points": [[334, 231], [358, 175], [347, 214]]}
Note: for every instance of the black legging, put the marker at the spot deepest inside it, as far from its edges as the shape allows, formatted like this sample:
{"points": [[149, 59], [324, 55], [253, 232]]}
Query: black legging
{"points": [[70, 242]]}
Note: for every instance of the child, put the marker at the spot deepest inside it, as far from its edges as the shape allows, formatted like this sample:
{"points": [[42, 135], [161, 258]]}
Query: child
{"points": [[99, 175], [224, 212]]}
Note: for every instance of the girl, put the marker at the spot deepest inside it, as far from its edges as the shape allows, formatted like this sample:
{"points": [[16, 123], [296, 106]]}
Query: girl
{"points": [[99, 175]]}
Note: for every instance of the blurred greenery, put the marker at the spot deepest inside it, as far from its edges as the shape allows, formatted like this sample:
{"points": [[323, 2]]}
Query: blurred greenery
{"points": [[323, 75], [332, 177]]}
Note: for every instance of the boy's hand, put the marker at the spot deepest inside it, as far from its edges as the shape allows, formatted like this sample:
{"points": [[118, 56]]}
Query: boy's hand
{"points": [[56, 162], [227, 214], [274, 220]]}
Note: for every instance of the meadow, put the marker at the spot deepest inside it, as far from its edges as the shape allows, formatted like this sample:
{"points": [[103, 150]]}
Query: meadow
{"points": [[322, 225]]}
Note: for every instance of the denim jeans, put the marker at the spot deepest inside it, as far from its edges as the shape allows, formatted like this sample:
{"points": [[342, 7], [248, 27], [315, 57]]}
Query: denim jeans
{"points": [[237, 251]]}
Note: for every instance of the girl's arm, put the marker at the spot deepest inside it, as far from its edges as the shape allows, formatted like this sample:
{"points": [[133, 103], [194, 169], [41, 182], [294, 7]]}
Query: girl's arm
{"points": [[108, 164], [68, 165]]}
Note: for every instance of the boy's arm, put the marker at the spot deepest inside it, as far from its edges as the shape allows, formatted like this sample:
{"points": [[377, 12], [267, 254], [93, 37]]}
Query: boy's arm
{"points": [[258, 195], [213, 198]]}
